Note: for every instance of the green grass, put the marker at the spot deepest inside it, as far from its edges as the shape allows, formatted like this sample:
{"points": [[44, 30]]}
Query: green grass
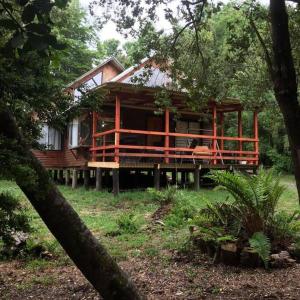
{"points": [[100, 211]]}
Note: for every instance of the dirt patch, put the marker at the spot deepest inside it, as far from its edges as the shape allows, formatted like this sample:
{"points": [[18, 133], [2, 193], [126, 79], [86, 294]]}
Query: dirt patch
{"points": [[161, 212], [156, 278]]}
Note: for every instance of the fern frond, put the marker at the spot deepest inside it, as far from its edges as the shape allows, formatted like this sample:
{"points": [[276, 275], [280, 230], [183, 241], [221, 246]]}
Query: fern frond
{"points": [[261, 244]]}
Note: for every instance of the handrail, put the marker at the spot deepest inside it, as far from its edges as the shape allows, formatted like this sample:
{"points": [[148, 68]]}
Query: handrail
{"points": [[238, 155], [175, 134], [135, 147]]}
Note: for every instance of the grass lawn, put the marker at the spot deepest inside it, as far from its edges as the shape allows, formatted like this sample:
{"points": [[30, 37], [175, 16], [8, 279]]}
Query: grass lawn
{"points": [[100, 211], [149, 255]]}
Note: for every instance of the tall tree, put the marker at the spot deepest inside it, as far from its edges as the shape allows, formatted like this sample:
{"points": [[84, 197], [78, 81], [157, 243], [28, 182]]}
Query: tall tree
{"points": [[28, 90]]}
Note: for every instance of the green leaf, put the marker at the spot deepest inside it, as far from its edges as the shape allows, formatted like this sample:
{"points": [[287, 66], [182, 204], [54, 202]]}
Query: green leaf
{"points": [[17, 40], [261, 244], [28, 14], [61, 3], [38, 28], [43, 6], [52, 41], [22, 2], [37, 42], [8, 24]]}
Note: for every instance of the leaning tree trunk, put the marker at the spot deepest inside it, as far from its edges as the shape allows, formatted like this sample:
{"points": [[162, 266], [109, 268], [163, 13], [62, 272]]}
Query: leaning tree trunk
{"points": [[64, 223], [285, 81]]}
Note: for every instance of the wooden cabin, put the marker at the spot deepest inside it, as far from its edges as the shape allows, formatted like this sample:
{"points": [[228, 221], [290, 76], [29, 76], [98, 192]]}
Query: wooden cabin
{"points": [[128, 140]]}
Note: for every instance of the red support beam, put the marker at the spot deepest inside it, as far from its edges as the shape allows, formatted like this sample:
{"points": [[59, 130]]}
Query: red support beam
{"points": [[222, 131], [167, 131], [94, 128], [117, 127], [214, 129], [240, 130], [255, 129]]}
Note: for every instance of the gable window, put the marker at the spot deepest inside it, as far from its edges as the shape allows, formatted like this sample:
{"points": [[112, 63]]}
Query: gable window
{"points": [[80, 132], [88, 85], [50, 138]]}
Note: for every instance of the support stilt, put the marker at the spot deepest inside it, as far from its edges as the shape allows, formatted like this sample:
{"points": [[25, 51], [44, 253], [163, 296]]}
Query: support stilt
{"points": [[116, 187], [157, 178], [74, 178], [98, 179], [86, 178], [196, 179], [67, 178]]}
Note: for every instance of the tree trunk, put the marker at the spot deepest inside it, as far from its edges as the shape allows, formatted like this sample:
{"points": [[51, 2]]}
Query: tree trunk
{"points": [[64, 223], [284, 80]]}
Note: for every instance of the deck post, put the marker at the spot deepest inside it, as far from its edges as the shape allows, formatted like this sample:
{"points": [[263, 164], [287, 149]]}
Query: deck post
{"points": [[255, 129], [67, 178], [183, 178], [174, 177], [197, 178], [116, 186], [222, 131], [94, 128], [74, 179], [240, 131], [117, 127], [86, 178], [167, 131], [98, 179], [157, 177], [55, 175], [214, 127], [61, 176]]}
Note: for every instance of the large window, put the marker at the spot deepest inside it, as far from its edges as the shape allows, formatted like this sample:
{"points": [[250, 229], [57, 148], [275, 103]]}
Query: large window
{"points": [[50, 138], [80, 132], [88, 85]]}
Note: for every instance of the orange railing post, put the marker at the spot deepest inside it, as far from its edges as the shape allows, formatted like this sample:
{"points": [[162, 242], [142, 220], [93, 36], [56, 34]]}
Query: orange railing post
{"points": [[167, 131], [117, 128], [94, 139], [255, 129], [240, 130], [214, 127], [222, 130]]}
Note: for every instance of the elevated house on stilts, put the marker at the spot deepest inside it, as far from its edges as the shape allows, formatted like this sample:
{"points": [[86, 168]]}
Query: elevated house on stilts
{"points": [[128, 145]]}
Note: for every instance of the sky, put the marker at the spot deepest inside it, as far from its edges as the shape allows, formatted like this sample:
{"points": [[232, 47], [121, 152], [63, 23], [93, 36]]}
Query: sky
{"points": [[109, 31]]}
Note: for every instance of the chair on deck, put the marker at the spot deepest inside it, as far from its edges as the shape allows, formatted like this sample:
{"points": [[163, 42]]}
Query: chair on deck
{"points": [[201, 150]]}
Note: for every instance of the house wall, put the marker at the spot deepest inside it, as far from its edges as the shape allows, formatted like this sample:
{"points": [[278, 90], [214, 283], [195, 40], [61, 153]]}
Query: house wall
{"points": [[65, 158]]}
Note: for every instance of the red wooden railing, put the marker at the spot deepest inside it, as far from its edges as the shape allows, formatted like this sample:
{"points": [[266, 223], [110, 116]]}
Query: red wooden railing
{"points": [[167, 152]]}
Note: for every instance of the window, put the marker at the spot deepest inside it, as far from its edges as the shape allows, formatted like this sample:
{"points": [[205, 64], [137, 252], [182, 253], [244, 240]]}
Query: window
{"points": [[50, 138], [80, 132], [88, 85], [73, 133]]}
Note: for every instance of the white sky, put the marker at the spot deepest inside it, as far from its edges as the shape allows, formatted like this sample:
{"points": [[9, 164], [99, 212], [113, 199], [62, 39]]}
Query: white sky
{"points": [[109, 30]]}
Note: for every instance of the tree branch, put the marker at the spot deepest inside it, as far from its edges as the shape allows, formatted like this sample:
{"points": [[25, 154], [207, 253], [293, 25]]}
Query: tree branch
{"points": [[265, 49]]}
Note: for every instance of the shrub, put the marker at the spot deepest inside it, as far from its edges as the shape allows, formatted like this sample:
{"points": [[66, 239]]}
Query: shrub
{"points": [[254, 199], [127, 223], [164, 197], [181, 213], [249, 216], [14, 224]]}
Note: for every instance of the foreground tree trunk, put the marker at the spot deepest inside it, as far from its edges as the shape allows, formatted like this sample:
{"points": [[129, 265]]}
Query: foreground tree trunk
{"points": [[284, 80], [64, 223]]}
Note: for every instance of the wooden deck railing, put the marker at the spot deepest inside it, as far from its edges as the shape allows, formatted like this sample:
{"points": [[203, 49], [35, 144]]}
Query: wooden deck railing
{"points": [[214, 156]]}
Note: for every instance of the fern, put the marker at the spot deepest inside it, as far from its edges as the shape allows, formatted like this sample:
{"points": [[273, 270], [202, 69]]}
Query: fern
{"points": [[261, 244], [254, 198]]}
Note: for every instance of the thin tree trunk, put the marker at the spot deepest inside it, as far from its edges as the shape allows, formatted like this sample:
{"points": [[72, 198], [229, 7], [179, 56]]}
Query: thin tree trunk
{"points": [[64, 223], [284, 80]]}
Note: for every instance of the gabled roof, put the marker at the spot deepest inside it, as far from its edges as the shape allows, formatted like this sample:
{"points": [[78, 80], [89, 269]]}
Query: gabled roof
{"points": [[111, 59], [149, 74]]}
